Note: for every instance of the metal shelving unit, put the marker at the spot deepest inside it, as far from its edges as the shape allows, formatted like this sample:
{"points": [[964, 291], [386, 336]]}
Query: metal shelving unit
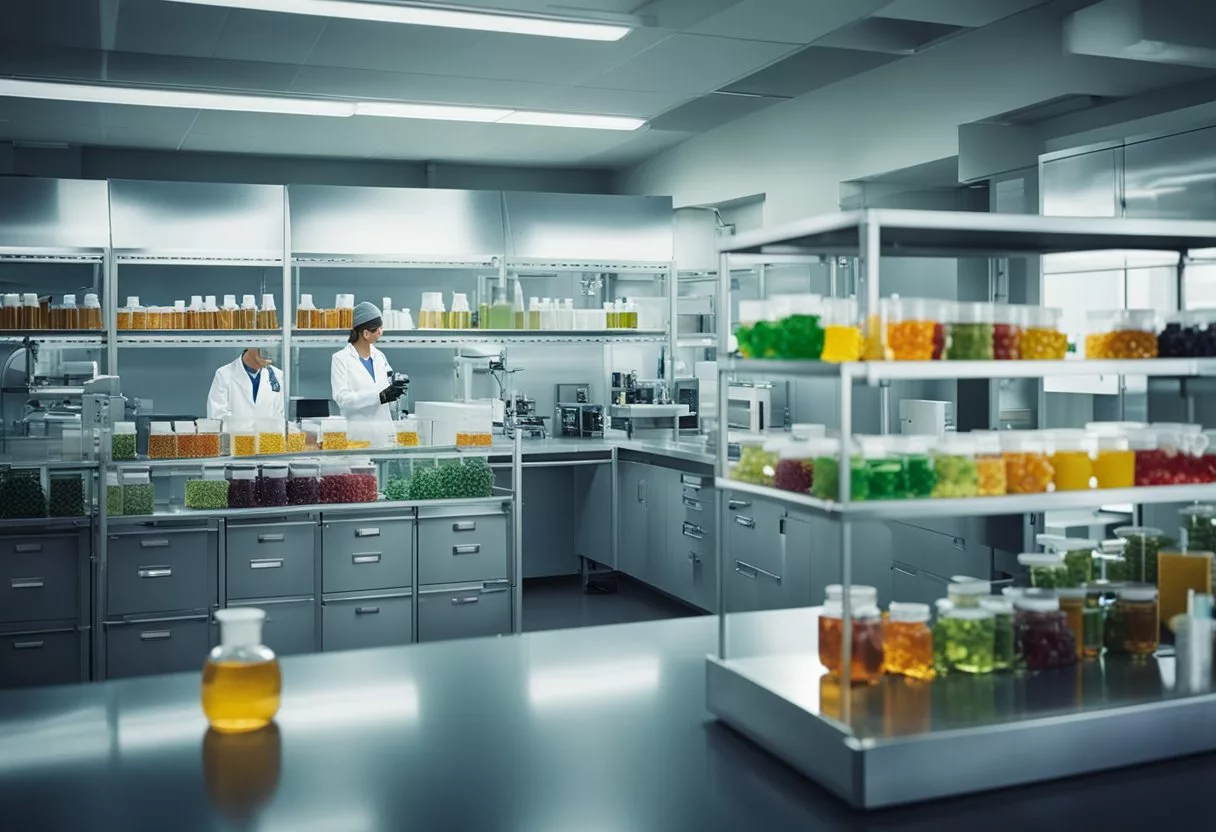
{"points": [[423, 338], [887, 745]]}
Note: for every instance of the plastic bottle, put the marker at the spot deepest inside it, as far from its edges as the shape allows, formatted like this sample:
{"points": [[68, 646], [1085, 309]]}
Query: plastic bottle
{"points": [[631, 314], [304, 312], [268, 316], [546, 315], [517, 307], [567, 318], [242, 682], [534, 313], [211, 313], [70, 316], [10, 312], [31, 312], [228, 313], [179, 315], [502, 315], [90, 313], [194, 313], [461, 317]]}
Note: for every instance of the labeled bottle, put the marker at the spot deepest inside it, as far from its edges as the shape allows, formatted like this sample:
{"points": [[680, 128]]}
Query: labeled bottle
{"points": [[242, 681]]}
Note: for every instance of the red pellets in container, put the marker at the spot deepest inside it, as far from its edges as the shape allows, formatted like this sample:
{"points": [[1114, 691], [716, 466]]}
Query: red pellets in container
{"points": [[333, 477], [794, 467], [365, 484], [242, 486], [304, 483], [1007, 333], [271, 488]]}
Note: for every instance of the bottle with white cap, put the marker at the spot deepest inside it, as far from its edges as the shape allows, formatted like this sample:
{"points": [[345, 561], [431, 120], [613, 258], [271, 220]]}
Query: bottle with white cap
{"points": [[194, 314], [248, 317], [242, 682], [228, 312], [90, 313], [268, 316], [211, 313]]}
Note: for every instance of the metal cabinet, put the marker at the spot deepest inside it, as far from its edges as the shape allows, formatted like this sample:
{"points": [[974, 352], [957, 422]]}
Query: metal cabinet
{"points": [[270, 560], [367, 621], [157, 645], [40, 577], [290, 627], [40, 658], [467, 611], [632, 546], [160, 570], [456, 548], [753, 533], [367, 554], [691, 556]]}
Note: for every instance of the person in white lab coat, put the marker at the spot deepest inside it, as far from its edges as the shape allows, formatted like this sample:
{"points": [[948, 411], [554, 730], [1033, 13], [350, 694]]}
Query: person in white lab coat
{"points": [[360, 377], [245, 389]]}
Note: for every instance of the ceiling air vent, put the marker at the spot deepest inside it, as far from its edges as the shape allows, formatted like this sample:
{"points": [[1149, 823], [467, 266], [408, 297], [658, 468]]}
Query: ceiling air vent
{"points": [[1162, 31]]}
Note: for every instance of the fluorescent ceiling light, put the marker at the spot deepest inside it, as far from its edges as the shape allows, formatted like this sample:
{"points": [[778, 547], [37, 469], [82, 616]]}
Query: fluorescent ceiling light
{"points": [[442, 112], [573, 120], [430, 16]]}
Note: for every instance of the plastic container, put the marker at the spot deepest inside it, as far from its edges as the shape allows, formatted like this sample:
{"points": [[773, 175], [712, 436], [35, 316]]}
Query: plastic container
{"points": [[1004, 655], [228, 313], [268, 316], [407, 432], [461, 316], [1041, 338], [114, 501], [162, 442], [920, 477], [132, 314], [755, 465], [271, 436], [304, 312], [474, 432], [431, 314], [1187, 334], [295, 440], [1078, 556], [842, 339], [187, 440], [989, 464], [799, 331], [138, 495], [1007, 323], [271, 488], [1121, 334], [1180, 571], [970, 634], [334, 476], [969, 332], [1047, 569], [1072, 459], [795, 467], [955, 467], [1028, 468], [207, 437], [1141, 547], [1138, 616], [242, 682], [122, 441], [66, 494], [209, 492], [333, 434], [31, 313], [346, 311], [1115, 463], [242, 438], [364, 481], [910, 330], [1072, 604], [884, 468], [826, 464], [1094, 622], [1042, 638], [756, 333], [966, 593], [941, 665], [90, 312], [304, 483], [908, 641], [242, 485], [211, 313]]}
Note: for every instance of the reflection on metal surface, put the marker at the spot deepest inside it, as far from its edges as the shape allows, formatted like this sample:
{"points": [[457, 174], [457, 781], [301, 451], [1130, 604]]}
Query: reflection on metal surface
{"points": [[158, 728], [585, 227], [242, 770], [197, 218], [380, 704], [53, 213], [70, 737], [575, 684]]}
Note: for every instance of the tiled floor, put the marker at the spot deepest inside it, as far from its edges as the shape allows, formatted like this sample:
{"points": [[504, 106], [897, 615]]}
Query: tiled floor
{"points": [[555, 604]]}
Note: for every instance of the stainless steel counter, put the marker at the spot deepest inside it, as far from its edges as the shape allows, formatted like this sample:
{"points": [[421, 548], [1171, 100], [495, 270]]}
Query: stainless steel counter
{"points": [[599, 728]]}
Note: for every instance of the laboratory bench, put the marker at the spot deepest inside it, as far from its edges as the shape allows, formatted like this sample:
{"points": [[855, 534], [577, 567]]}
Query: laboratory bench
{"points": [[601, 727]]}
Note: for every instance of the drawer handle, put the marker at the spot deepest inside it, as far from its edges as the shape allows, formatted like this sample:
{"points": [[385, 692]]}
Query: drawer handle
{"points": [[368, 532], [465, 599], [271, 538], [694, 557], [27, 583], [266, 563], [365, 557], [155, 571], [695, 505], [738, 504], [464, 526], [695, 532], [745, 522], [749, 571], [28, 645], [691, 481], [28, 547], [160, 543], [467, 549], [367, 610], [155, 635]]}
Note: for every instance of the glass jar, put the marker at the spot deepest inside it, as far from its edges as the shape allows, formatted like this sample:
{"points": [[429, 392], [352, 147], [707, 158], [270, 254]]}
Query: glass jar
{"points": [[1179, 571], [66, 494], [989, 463], [1133, 334], [1198, 526], [461, 316], [242, 438], [966, 593], [114, 502], [884, 468], [842, 339], [1115, 465], [242, 682], [826, 464], [268, 316], [209, 492], [954, 464], [1094, 621], [271, 488], [242, 486], [795, 467], [907, 641], [187, 440], [1007, 322], [969, 334], [1072, 453], [1046, 569], [1042, 639], [334, 481], [1078, 554], [1028, 468], [271, 436], [333, 434], [162, 442], [1003, 654], [207, 437], [1041, 338], [1072, 604], [920, 478], [970, 639], [866, 661], [755, 465], [1141, 547], [1137, 608], [910, 330], [941, 665], [122, 441], [304, 483], [799, 328], [138, 495]]}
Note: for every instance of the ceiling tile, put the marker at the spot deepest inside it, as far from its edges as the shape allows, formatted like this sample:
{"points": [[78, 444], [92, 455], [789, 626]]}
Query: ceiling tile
{"points": [[352, 83], [266, 36], [74, 23], [637, 148], [146, 139], [612, 102], [710, 111], [120, 117], [363, 45], [691, 63], [162, 28], [786, 21], [484, 92], [973, 13], [524, 58], [169, 70], [812, 68], [27, 119], [894, 37], [544, 145], [29, 60]]}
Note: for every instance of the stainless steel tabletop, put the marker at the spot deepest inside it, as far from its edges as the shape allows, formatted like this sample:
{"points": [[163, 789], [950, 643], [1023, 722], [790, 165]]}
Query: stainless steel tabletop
{"points": [[594, 729]]}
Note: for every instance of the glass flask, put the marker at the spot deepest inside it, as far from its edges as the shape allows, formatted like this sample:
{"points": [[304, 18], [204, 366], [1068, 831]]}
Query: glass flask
{"points": [[241, 679]]}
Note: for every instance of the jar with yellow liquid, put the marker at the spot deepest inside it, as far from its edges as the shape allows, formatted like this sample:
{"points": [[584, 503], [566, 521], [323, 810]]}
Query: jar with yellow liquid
{"points": [[242, 682]]}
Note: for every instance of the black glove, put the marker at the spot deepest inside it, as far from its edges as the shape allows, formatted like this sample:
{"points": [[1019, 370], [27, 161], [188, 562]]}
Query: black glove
{"points": [[390, 394]]}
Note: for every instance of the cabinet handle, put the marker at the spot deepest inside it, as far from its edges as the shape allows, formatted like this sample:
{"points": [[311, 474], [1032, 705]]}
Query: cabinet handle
{"points": [[266, 563], [155, 572], [27, 583], [271, 538], [155, 635], [745, 522], [695, 505], [159, 543], [465, 526], [365, 557], [27, 547], [691, 480], [745, 570], [695, 532], [737, 504], [369, 532], [28, 645], [465, 599], [468, 549], [367, 610], [694, 557], [642, 491]]}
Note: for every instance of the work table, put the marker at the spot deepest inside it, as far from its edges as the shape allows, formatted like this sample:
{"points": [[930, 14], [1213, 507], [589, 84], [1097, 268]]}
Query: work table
{"points": [[598, 728]]}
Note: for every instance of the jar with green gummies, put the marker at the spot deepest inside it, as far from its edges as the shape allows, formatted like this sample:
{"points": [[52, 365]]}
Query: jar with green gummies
{"points": [[1046, 569], [1078, 556], [1004, 656], [941, 665], [756, 333], [969, 335], [884, 468], [756, 465], [970, 639], [799, 327], [1140, 547], [966, 593], [955, 468], [919, 474]]}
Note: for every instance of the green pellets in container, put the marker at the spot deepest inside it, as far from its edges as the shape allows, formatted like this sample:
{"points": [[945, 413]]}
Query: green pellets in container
{"points": [[954, 467], [826, 466], [138, 495], [122, 441], [397, 488], [21, 494], [970, 634], [969, 334], [1003, 651], [210, 492], [1078, 557], [1047, 569], [114, 503], [66, 494]]}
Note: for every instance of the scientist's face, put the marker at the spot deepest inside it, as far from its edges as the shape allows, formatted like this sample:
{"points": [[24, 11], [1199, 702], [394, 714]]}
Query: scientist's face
{"points": [[371, 336]]}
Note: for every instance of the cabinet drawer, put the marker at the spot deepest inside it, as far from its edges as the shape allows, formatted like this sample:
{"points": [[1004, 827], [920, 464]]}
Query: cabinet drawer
{"points": [[290, 626], [160, 571], [367, 622], [377, 558], [462, 549], [140, 648], [39, 578], [270, 560], [463, 612], [28, 659]]}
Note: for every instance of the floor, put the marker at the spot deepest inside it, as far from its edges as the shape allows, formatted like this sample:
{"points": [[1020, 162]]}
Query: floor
{"points": [[559, 603]]}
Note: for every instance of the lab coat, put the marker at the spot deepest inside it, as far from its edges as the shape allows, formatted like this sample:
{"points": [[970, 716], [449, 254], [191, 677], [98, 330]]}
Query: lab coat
{"points": [[231, 395], [356, 392]]}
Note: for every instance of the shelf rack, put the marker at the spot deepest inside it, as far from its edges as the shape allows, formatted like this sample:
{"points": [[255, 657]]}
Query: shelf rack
{"points": [[65, 339], [779, 700]]}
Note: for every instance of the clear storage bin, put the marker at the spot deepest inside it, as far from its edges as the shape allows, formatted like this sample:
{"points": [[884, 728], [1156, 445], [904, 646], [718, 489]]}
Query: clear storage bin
{"points": [[90, 312], [296, 442], [365, 483], [304, 483], [271, 488], [304, 313], [756, 333], [138, 495], [1141, 546], [407, 432], [795, 467], [271, 436], [954, 465], [842, 340], [920, 477], [208, 436], [242, 438], [268, 316], [247, 316], [1072, 459], [756, 465], [911, 329], [66, 494], [1007, 323], [1115, 464], [474, 432], [1046, 569], [333, 434], [800, 328], [122, 441], [210, 491], [113, 495], [162, 442], [1041, 631], [1028, 468], [885, 478], [826, 485], [1004, 655], [336, 485], [242, 486], [228, 313], [187, 440], [989, 464], [970, 634], [969, 334]]}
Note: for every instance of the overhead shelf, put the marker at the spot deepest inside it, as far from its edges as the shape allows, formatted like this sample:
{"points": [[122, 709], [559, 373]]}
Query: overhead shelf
{"points": [[247, 338], [467, 337], [322, 260], [874, 372], [545, 264], [194, 258], [961, 234], [53, 339], [35, 254]]}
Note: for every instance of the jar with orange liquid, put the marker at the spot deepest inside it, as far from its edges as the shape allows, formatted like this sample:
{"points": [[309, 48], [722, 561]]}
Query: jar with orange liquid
{"points": [[242, 683], [1115, 464], [866, 660], [910, 329], [304, 312], [907, 641], [1178, 571], [1072, 459], [247, 316]]}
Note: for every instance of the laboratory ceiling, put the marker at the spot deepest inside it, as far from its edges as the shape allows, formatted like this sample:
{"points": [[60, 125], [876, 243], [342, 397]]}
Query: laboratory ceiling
{"points": [[686, 67]]}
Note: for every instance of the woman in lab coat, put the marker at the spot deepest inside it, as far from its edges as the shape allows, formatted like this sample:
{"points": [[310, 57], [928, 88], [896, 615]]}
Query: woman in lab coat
{"points": [[245, 389], [360, 377]]}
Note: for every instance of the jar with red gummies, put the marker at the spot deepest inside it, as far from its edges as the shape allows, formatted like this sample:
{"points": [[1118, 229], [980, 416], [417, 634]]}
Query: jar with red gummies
{"points": [[1182, 446], [1207, 462], [333, 475], [1007, 331], [1151, 464], [242, 486], [364, 482], [271, 489]]}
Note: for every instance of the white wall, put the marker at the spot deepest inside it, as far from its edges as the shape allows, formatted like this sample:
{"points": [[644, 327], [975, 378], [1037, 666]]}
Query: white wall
{"points": [[902, 114]]}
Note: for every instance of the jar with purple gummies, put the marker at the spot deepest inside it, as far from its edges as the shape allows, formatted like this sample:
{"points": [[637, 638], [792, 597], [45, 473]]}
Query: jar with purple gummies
{"points": [[304, 483], [272, 485], [242, 486]]}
